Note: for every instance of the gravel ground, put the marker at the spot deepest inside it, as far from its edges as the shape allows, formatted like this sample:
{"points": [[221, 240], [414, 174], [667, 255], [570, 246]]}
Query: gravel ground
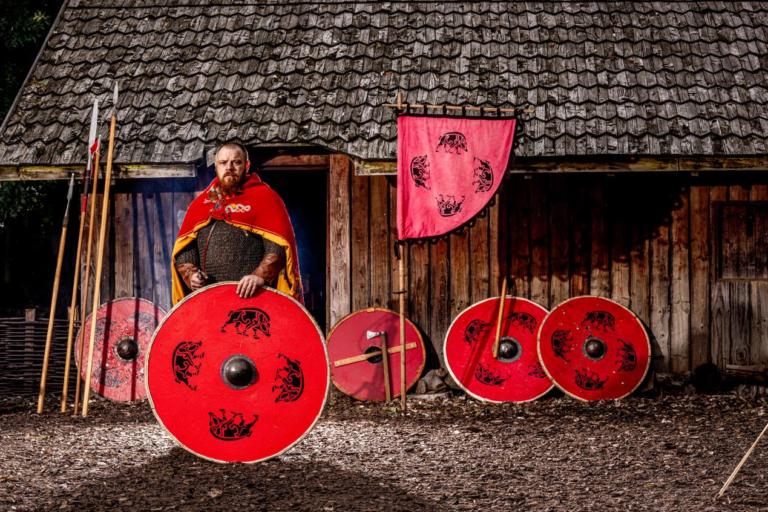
{"points": [[453, 453]]}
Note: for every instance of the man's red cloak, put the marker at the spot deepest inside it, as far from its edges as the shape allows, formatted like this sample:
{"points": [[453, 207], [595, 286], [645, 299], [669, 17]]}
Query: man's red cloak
{"points": [[255, 208]]}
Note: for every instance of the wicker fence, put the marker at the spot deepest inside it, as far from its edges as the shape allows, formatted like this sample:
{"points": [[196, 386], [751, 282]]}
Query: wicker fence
{"points": [[22, 344]]}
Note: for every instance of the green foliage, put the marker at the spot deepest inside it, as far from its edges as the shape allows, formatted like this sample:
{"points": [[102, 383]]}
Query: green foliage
{"points": [[19, 198], [24, 25]]}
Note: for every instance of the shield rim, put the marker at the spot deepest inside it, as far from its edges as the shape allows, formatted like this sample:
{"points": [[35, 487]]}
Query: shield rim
{"points": [[87, 319], [371, 310], [220, 461], [461, 384], [632, 314]]}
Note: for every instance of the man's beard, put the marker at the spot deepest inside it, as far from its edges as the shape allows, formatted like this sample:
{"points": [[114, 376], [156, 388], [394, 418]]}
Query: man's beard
{"points": [[230, 183]]}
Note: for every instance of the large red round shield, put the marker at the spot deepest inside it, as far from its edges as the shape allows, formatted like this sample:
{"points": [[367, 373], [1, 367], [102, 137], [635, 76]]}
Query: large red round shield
{"points": [[594, 348], [357, 359], [124, 329], [237, 380], [515, 375]]}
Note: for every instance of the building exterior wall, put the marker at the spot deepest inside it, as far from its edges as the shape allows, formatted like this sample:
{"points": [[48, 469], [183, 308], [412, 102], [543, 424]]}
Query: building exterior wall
{"points": [[651, 242]]}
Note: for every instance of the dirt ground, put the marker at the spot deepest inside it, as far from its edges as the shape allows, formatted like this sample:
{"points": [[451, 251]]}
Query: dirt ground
{"points": [[450, 453]]}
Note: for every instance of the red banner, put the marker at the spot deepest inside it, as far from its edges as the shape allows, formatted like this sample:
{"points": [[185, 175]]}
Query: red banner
{"points": [[448, 169]]}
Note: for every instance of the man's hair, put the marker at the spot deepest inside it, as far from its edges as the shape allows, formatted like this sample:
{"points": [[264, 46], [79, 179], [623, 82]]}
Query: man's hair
{"points": [[233, 144]]}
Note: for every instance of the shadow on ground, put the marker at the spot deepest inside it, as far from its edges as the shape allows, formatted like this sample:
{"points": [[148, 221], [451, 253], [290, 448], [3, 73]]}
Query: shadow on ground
{"points": [[182, 481]]}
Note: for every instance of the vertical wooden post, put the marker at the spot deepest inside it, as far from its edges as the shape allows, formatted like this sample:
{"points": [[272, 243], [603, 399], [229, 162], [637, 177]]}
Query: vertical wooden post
{"points": [[30, 316], [87, 277], [402, 298], [338, 276], [54, 297]]}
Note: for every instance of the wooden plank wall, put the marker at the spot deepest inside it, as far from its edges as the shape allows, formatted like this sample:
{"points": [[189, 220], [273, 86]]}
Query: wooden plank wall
{"points": [[144, 218], [644, 240], [443, 278]]}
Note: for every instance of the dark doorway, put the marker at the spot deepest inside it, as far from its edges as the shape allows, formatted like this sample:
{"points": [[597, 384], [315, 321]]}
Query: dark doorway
{"points": [[304, 194]]}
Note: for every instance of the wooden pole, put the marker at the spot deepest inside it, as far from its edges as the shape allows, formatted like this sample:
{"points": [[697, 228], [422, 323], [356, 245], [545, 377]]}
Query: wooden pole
{"points": [[100, 253], [86, 277], [385, 364], [740, 464], [73, 302], [54, 296], [467, 108], [499, 320], [364, 357], [403, 353]]}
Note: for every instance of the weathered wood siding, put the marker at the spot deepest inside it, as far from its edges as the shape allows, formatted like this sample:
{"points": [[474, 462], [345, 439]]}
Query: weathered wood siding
{"points": [[144, 218], [442, 278], [648, 241]]}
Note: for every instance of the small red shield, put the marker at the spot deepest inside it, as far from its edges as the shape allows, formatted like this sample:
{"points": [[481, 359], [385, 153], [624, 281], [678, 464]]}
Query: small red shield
{"points": [[515, 375], [594, 348], [124, 328], [355, 350], [237, 380]]}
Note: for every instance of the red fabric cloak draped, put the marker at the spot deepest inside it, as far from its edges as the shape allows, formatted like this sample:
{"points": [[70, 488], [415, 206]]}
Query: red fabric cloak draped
{"points": [[256, 208], [448, 169]]}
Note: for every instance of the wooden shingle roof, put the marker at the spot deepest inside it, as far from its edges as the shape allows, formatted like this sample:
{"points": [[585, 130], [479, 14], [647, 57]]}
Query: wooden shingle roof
{"points": [[603, 78]]}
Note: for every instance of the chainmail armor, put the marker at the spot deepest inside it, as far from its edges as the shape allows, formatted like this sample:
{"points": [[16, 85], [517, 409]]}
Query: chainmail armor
{"points": [[231, 252]]}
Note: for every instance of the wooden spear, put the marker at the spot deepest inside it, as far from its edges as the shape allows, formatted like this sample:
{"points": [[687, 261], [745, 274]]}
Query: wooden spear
{"points": [[740, 464], [87, 275], [403, 353], [100, 254], [54, 296], [499, 320], [78, 255]]}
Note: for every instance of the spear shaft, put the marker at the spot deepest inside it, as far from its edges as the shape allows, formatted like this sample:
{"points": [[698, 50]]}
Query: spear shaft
{"points": [[87, 276], [100, 253], [54, 297]]}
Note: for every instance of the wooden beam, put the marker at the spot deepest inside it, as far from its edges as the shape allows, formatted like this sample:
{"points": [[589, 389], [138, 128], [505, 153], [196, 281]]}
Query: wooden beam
{"points": [[338, 274], [602, 164], [298, 161], [121, 171]]}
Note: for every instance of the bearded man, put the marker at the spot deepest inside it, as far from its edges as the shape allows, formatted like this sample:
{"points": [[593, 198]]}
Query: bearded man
{"points": [[238, 229]]}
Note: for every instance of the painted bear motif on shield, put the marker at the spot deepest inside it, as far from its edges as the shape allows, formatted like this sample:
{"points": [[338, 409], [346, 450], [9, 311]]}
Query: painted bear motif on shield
{"points": [[254, 320], [627, 358], [187, 361], [230, 426], [289, 381], [599, 320], [562, 344], [486, 376], [523, 320], [589, 380], [475, 329]]}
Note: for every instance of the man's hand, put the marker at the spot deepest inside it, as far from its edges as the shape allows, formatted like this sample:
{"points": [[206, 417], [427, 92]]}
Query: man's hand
{"points": [[197, 280], [249, 285]]}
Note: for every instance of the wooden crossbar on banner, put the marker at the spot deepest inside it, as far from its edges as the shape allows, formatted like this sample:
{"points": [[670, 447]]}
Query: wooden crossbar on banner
{"points": [[464, 108]]}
